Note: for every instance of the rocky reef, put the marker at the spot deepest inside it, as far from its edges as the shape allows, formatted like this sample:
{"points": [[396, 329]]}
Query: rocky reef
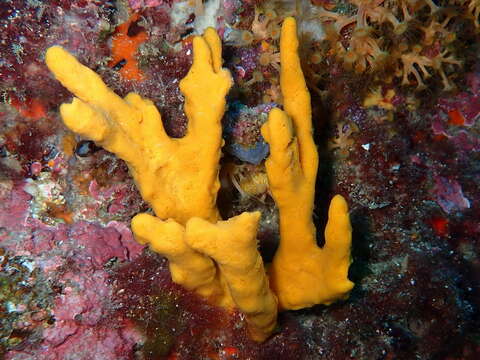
{"points": [[395, 89]]}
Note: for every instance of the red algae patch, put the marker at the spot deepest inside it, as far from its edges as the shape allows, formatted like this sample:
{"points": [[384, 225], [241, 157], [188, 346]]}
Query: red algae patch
{"points": [[177, 324], [456, 118], [32, 108], [172, 320]]}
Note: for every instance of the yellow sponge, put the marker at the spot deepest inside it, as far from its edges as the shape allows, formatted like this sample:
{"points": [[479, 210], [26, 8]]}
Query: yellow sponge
{"points": [[189, 268], [132, 129], [302, 274], [233, 246], [179, 178]]}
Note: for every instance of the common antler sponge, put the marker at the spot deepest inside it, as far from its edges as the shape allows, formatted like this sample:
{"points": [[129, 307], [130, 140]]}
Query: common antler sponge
{"points": [[302, 274], [132, 129], [219, 259]]}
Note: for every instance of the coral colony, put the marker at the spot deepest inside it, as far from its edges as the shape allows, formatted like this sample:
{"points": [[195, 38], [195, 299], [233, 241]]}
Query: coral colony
{"points": [[170, 209]]}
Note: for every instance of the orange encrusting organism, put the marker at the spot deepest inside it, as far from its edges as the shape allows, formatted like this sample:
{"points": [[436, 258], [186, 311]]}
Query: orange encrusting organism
{"points": [[125, 47]]}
